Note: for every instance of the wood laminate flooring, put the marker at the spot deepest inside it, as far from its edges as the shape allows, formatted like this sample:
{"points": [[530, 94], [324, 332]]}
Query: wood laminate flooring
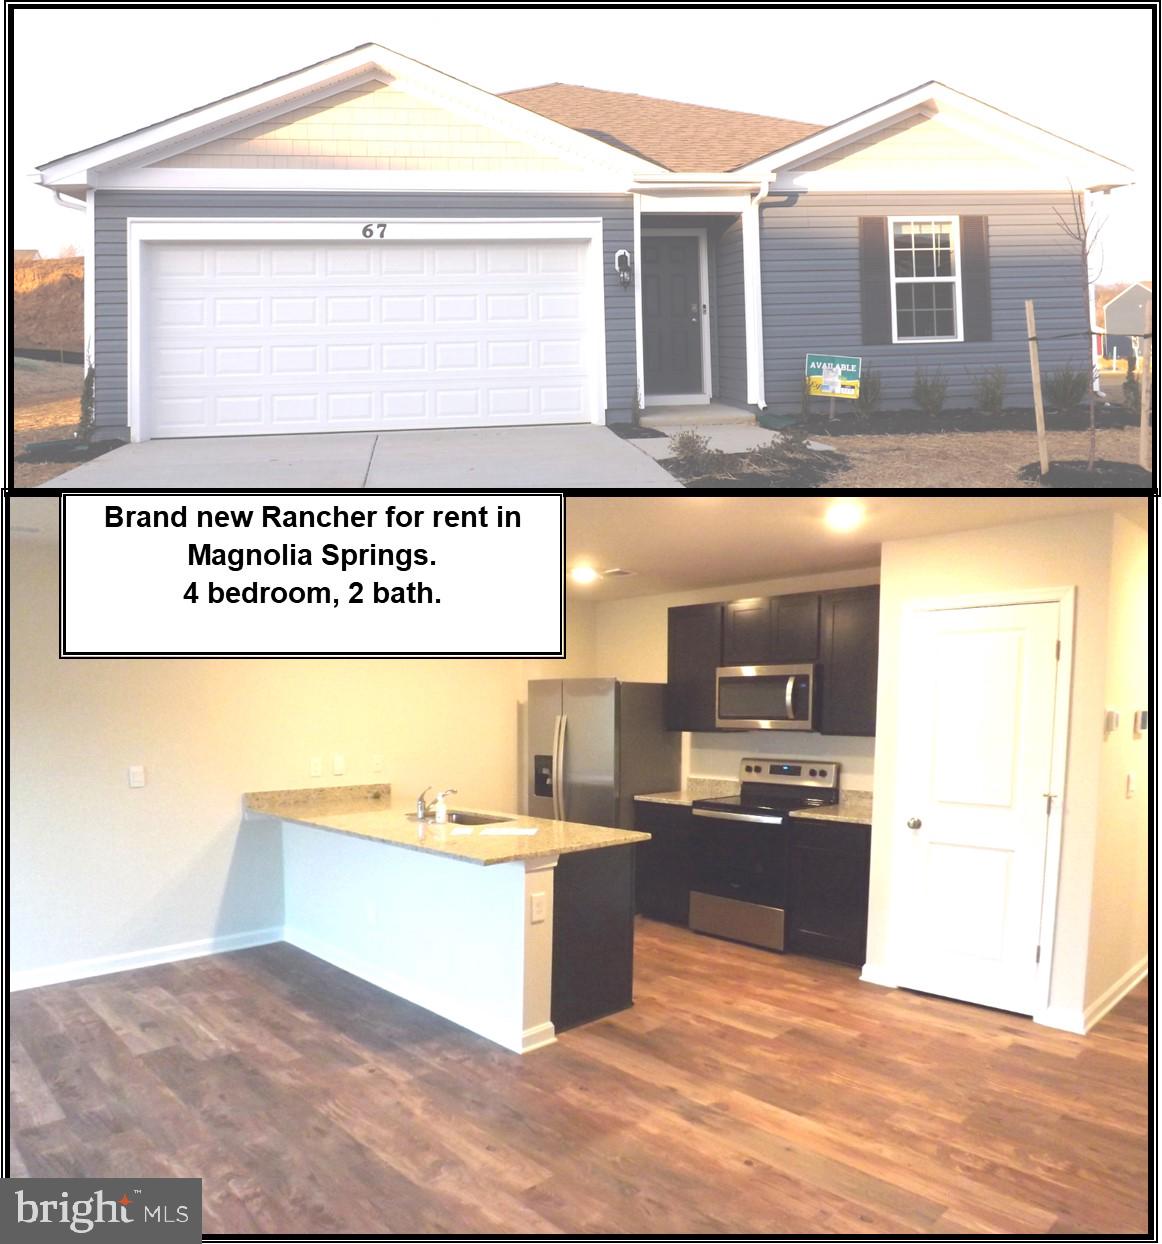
{"points": [[745, 1092]]}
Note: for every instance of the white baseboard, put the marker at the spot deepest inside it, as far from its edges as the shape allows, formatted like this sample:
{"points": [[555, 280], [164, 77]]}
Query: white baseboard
{"points": [[878, 974], [1100, 1007], [538, 1036], [1063, 1018], [105, 965], [450, 1008]]}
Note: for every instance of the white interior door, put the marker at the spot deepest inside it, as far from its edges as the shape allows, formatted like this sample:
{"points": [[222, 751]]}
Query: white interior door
{"points": [[975, 770], [242, 339]]}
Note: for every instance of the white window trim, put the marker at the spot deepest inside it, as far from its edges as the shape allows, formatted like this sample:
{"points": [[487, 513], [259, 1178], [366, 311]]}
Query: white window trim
{"points": [[700, 397], [140, 231], [956, 280]]}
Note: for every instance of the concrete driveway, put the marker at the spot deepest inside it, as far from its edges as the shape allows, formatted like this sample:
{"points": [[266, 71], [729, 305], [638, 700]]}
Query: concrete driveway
{"points": [[570, 456]]}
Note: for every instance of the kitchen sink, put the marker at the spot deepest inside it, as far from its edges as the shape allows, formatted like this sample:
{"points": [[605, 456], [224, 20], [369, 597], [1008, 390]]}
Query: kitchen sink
{"points": [[462, 818]]}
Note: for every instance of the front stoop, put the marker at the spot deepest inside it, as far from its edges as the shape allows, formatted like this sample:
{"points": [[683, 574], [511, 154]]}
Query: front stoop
{"points": [[675, 418]]}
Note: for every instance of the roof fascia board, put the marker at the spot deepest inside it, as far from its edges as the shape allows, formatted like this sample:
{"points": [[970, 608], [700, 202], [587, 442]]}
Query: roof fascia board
{"points": [[289, 179], [192, 126], [1129, 290], [931, 94]]}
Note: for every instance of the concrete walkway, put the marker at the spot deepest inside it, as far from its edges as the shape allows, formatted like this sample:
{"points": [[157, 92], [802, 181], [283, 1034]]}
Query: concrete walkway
{"points": [[566, 456]]}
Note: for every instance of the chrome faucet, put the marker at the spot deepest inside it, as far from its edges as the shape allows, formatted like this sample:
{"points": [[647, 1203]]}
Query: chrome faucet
{"points": [[423, 809]]}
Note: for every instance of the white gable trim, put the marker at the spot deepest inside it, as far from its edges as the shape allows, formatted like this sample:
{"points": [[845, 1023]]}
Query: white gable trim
{"points": [[263, 102], [1097, 170], [1129, 290]]}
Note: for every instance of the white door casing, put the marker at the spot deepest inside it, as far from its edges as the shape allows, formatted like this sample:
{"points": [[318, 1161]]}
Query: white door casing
{"points": [[249, 327], [983, 711]]}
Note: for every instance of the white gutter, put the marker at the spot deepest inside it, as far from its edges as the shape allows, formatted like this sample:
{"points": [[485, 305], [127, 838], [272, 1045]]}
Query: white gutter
{"points": [[74, 204], [752, 281]]}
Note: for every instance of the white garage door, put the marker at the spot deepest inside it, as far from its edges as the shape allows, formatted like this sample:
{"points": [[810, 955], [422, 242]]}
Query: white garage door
{"points": [[239, 339]]}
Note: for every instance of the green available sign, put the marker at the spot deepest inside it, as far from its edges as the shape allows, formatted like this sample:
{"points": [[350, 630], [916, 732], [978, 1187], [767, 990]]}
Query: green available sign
{"points": [[833, 375]]}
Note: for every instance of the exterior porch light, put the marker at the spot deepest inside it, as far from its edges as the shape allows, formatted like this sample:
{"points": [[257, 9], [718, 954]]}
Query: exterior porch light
{"points": [[623, 266]]}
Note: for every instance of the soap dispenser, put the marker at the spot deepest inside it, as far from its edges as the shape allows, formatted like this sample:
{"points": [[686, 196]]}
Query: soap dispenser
{"points": [[442, 807]]}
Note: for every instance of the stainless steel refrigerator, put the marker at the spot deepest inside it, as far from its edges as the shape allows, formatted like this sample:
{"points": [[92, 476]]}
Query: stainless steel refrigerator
{"points": [[593, 744]]}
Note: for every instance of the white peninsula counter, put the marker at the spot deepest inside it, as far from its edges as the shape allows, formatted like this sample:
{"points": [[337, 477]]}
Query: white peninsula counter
{"points": [[469, 921]]}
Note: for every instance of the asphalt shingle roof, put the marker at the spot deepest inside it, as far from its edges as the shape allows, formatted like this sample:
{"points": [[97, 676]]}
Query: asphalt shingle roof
{"points": [[684, 138]]}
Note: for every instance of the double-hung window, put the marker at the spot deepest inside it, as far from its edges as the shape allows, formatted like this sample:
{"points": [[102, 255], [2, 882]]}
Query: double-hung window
{"points": [[925, 278]]}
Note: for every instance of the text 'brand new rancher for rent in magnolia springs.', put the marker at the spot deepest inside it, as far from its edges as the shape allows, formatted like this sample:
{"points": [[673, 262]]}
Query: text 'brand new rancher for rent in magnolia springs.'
{"points": [[368, 243]]}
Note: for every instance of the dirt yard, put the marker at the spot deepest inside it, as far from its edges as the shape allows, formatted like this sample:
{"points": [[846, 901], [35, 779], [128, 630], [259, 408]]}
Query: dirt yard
{"points": [[963, 459], [47, 407], [48, 305]]}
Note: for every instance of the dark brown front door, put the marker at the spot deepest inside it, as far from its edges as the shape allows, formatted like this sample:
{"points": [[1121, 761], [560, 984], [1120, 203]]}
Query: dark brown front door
{"points": [[671, 315]]}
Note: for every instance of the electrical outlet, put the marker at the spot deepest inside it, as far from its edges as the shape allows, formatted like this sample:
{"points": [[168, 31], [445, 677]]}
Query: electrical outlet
{"points": [[315, 766], [136, 776], [377, 763], [338, 763], [538, 907]]}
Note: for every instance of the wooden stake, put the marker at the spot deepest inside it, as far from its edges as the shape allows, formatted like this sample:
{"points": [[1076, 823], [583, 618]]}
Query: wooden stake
{"points": [[831, 411], [1145, 453], [1038, 405]]}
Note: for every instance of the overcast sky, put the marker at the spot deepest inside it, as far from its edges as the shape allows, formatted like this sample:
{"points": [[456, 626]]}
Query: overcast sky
{"points": [[1085, 73]]}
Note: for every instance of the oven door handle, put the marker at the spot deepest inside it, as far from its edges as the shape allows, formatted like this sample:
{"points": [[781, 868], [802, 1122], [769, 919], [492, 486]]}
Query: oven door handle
{"points": [[791, 697], [752, 817]]}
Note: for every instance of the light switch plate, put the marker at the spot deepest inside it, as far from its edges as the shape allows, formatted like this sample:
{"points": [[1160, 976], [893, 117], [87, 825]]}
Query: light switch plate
{"points": [[136, 776], [315, 766], [537, 907], [338, 763]]}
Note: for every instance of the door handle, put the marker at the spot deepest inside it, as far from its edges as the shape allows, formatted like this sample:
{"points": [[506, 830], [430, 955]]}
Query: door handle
{"points": [[914, 822], [559, 766], [791, 697]]}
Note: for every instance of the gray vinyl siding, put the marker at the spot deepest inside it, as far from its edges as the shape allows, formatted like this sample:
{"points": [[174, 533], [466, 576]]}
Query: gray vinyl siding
{"points": [[111, 331], [810, 282], [731, 325]]}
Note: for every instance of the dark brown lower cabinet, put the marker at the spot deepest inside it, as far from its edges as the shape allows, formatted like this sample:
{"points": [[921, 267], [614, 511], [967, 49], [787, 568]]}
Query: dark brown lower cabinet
{"points": [[664, 864], [829, 867], [593, 907]]}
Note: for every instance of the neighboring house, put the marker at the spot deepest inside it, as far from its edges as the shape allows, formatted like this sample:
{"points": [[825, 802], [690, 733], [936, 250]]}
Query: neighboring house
{"points": [[369, 243], [1130, 313], [25, 256]]}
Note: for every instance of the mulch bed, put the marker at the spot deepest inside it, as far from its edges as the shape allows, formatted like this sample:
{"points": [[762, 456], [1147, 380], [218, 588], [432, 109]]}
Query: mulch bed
{"points": [[849, 423], [1073, 473], [788, 464]]}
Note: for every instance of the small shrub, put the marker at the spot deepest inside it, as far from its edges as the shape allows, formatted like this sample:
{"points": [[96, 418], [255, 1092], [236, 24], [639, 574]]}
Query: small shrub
{"points": [[88, 402], [988, 390], [635, 410], [692, 455], [929, 390], [1132, 394], [1064, 389], [871, 387]]}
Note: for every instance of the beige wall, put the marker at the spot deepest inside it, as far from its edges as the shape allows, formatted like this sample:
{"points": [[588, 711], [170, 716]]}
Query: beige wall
{"points": [[630, 643], [1072, 551], [99, 869], [373, 126], [1119, 930]]}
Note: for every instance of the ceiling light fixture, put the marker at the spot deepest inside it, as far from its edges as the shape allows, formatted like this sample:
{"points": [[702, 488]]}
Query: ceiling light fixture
{"points": [[845, 515], [584, 574]]}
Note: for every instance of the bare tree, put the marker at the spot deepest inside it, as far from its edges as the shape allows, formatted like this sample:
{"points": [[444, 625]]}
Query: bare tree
{"points": [[1085, 233], [67, 252]]}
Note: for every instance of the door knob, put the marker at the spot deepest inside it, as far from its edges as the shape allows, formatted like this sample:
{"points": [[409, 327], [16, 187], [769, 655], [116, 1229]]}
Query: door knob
{"points": [[914, 822]]}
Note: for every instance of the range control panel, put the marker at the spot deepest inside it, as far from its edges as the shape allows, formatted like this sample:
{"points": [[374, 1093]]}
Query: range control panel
{"points": [[817, 773]]}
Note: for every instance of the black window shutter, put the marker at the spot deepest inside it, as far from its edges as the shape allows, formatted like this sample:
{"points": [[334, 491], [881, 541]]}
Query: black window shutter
{"points": [[875, 298], [974, 278]]}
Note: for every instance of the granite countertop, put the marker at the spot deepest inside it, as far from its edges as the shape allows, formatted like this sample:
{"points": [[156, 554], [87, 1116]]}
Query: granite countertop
{"points": [[854, 806], [368, 812]]}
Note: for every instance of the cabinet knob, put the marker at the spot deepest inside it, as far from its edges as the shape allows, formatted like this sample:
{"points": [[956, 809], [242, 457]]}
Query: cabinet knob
{"points": [[914, 822]]}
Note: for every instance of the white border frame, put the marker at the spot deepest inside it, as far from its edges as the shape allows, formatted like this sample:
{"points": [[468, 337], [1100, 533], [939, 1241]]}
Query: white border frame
{"points": [[140, 231], [956, 280], [1065, 598], [702, 397]]}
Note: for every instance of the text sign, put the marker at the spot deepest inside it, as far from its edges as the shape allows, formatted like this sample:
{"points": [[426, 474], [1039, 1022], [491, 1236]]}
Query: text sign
{"points": [[833, 375], [154, 1211], [373, 574]]}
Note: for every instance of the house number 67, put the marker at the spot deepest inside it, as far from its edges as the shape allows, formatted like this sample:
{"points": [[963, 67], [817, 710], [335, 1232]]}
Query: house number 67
{"points": [[375, 231]]}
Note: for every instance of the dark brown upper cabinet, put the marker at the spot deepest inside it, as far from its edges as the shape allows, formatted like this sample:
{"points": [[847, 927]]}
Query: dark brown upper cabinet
{"points": [[776, 630], [746, 631], [693, 656], [794, 628], [849, 642]]}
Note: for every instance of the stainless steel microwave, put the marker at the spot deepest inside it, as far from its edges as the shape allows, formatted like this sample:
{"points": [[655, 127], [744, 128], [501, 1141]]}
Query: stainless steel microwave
{"points": [[765, 697]]}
